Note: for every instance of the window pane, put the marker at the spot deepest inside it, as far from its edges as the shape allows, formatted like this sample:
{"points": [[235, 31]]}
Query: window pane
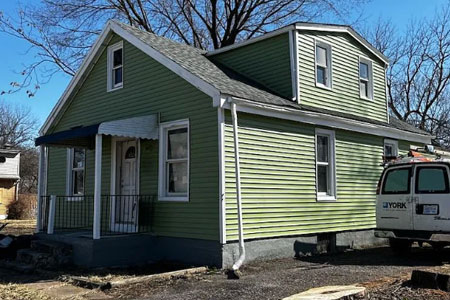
{"points": [[131, 153], [397, 182], [322, 148], [117, 58], [432, 180], [388, 150], [78, 158], [321, 75], [322, 179], [364, 70], [78, 182], [117, 73], [177, 143], [321, 56], [364, 88], [178, 177]]}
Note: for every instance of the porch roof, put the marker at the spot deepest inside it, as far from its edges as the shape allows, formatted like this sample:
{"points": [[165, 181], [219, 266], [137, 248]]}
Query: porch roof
{"points": [[145, 127]]}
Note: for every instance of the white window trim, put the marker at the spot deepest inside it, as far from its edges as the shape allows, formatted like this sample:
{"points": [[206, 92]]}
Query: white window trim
{"points": [[369, 62], [163, 128], [329, 61], [69, 176], [393, 143], [111, 49], [331, 164]]}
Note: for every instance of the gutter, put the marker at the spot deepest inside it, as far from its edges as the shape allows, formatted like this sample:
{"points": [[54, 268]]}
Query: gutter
{"points": [[240, 261]]}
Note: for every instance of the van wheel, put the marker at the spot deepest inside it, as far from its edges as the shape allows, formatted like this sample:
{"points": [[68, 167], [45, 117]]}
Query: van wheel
{"points": [[400, 246]]}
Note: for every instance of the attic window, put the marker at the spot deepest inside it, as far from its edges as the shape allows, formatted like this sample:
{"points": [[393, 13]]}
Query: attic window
{"points": [[115, 66], [365, 78], [323, 64]]}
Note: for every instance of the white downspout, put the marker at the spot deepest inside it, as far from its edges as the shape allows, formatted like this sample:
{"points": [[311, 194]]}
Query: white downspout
{"points": [[241, 259]]}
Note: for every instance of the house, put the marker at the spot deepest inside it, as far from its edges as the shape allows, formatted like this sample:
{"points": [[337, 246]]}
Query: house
{"points": [[137, 158], [9, 178]]}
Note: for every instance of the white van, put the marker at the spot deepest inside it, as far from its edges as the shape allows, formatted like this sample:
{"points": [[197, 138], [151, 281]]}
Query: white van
{"points": [[413, 204]]}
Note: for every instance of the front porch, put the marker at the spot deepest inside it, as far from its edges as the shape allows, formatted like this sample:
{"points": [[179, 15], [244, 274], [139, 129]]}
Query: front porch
{"points": [[73, 216], [101, 195]]}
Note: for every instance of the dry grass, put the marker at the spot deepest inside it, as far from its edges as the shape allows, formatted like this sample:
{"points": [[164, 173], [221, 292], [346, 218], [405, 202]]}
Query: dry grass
{"points": [[19, 291], [18, 227]]}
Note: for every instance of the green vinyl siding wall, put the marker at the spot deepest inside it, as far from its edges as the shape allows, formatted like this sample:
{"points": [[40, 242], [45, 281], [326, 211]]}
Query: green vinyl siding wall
{"points": [[149, 88], [278, 180], [344, 96], [266, 62]]}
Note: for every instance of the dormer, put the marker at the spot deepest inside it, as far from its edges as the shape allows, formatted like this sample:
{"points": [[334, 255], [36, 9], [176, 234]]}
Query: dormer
{"points": [[319, 66]]}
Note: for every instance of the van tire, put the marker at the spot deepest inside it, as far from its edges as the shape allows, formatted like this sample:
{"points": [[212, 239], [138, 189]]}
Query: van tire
{"points": [[400, 246]]}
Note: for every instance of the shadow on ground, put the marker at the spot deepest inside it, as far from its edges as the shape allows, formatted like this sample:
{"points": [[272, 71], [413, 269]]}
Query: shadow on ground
{"points": [[383, 256]]}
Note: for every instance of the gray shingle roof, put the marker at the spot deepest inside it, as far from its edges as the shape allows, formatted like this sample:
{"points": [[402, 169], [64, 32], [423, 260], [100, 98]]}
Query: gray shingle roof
{"points": [[230, 83]]}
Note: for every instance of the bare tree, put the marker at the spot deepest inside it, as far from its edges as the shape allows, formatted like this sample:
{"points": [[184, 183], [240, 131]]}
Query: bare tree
{"points": [[29, 164], [61, 31], [419, 72], [17, 126]]}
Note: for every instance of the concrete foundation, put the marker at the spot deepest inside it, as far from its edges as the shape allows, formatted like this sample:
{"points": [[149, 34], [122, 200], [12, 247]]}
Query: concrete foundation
{"points": [[135, 249], [300, 245]]}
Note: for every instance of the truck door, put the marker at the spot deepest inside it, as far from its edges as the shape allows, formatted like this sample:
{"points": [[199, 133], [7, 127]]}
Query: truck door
{"points": [[394, 205], [431, 197]]}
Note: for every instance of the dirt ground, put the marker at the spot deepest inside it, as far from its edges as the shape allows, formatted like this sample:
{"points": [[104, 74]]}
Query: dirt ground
{"points": [[18, 227], [381, 272], [384, 274]]}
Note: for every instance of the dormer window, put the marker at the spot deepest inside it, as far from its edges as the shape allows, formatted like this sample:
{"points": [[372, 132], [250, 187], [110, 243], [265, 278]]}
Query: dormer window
{"points": [[115, 66], [365, 78], [323, 64]]}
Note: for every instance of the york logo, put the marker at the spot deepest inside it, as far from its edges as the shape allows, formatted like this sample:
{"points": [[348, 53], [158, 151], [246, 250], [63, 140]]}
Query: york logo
{"points": [[398, 205]]}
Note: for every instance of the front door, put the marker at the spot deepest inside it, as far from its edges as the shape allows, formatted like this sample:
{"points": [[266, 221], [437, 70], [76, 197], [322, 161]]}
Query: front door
{"points": [[432, 198], [126, 199]]}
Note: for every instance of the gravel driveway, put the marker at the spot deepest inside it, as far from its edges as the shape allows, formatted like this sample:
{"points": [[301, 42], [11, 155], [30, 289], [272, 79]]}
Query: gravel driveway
{"points": [[280, 278]]}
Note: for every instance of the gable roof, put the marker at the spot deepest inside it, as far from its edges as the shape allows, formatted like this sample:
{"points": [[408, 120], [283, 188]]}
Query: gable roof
{"points": [[311, 27], [193, 65]]}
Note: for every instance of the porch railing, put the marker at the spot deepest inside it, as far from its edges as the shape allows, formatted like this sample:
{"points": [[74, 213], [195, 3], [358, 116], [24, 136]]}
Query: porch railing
{"points": [[120, 214]]}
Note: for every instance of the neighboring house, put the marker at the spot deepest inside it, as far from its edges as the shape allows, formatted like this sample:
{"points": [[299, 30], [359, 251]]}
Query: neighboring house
{"points": [[142, 142], [9, 178]]}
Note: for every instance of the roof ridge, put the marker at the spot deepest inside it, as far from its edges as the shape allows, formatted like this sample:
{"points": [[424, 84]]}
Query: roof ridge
{"points": [[158, 36]]}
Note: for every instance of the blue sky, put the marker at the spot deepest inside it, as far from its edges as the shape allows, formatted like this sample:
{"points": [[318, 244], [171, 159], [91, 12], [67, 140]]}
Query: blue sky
{"points": [[12, 51]]}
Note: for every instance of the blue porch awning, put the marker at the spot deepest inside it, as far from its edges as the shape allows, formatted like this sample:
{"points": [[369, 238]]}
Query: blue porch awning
{"points": [[145, 127]]}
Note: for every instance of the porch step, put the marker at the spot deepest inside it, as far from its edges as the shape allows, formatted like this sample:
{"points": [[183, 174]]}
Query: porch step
{"points": [[46, 254]]}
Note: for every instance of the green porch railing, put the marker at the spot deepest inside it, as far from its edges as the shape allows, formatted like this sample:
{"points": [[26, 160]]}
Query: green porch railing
{"points": [[120, 214]]}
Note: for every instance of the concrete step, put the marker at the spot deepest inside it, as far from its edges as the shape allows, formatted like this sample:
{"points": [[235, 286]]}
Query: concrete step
{"points": [[52, 247], [30, 256]]}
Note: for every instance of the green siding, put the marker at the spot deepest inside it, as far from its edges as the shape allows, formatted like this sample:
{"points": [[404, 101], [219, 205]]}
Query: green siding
{"points": [[278, 180], [150, 88], [344, 96], [266, 62]]}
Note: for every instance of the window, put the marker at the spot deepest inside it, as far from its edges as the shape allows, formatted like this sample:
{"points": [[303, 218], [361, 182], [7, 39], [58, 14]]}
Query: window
{"points": [[174, 161], [365, 78], [390, 148], [432, 180], [325, 165], [323, 64], [115, 66], [397, 181], [75, 177]]}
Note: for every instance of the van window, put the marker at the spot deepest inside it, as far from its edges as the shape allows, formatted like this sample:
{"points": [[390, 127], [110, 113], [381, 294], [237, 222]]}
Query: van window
{"points": [[397, 181], [432, 180]]}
